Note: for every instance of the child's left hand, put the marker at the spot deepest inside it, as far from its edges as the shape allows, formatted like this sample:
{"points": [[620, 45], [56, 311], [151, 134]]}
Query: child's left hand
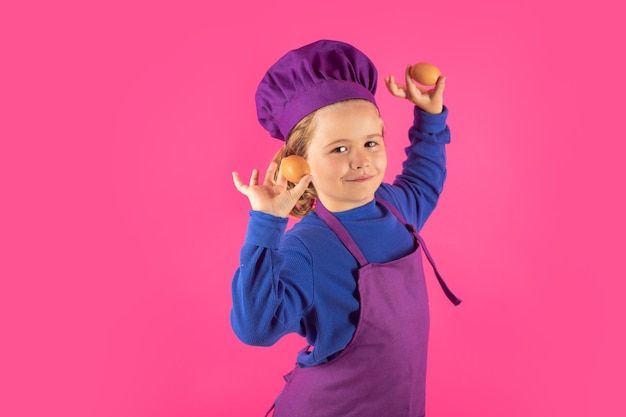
{"points": [[271, 197], [431, 101]]}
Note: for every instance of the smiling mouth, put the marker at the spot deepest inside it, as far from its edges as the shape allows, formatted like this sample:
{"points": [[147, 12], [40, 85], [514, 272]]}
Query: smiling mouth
{"points": [[364, 178]]}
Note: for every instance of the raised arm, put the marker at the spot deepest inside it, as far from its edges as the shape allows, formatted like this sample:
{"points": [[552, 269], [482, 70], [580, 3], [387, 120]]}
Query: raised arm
{"points": [[417, 189]]}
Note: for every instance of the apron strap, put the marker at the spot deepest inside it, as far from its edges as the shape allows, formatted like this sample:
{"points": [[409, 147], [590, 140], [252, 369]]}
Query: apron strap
{"points": [[453, 298], [341, 232]]}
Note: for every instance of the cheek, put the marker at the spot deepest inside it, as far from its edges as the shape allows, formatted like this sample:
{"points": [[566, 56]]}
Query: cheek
{"points": [[326, 170], [381, 160]]}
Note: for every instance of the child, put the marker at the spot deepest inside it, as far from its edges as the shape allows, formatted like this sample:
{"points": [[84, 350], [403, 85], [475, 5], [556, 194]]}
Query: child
{"points": [[348, 276]]}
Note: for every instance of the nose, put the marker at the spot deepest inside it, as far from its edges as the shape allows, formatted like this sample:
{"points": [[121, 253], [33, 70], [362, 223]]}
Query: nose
{"points": [[360, 159]]}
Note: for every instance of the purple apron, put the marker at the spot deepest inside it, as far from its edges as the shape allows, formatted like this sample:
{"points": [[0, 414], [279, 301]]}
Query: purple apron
{"points": [[382, 371]]}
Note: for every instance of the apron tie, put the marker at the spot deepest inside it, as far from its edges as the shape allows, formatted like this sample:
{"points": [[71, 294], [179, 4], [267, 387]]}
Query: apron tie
{"points": [[453, 298]]}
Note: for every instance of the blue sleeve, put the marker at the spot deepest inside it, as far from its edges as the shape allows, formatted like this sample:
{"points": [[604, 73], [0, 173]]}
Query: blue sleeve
{"points": [[272, 287], [416, 190]]}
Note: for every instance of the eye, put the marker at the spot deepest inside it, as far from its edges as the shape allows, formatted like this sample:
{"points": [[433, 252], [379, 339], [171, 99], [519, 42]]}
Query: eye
{"points": [[340, 149], [371, 144]]}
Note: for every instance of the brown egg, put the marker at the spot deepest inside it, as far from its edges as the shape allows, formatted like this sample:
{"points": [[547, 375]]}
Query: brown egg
{"points": [[294, 167], [425, 73]]}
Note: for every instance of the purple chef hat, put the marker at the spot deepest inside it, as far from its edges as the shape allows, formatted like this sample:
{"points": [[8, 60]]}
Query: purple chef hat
{"points": [[309, 78]]}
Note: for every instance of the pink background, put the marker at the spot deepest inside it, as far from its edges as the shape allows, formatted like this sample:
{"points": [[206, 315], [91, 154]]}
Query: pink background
{"points": [[120, 228]]}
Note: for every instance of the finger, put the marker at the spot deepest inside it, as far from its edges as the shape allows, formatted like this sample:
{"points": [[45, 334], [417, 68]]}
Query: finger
{"points": [[394, 88], [254, 177], [412, 90], [407, 75], [238, 183], [389, 83], [280, 178], [269, 173]]}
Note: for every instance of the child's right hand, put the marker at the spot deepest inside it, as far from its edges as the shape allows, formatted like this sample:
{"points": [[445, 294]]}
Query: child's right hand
{"points": [[271, 197]]}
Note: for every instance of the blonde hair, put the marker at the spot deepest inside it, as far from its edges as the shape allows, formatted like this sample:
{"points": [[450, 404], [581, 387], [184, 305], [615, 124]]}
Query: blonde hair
{"points": [[298, 144]]}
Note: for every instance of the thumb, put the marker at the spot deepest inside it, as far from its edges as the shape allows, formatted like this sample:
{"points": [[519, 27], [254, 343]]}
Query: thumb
{"points": [[440, 86], [301, 186]]}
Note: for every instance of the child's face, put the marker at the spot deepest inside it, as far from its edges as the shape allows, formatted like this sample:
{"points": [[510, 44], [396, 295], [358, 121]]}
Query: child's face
{"points": [[347, 154]]}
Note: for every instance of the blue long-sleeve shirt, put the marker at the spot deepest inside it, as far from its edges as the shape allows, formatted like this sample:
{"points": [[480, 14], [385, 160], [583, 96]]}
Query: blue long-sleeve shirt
{"points": [[304, 280]]}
